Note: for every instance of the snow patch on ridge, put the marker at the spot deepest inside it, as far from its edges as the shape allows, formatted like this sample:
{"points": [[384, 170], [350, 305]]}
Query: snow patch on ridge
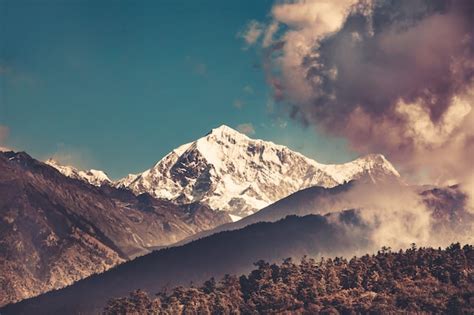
{"points": [[93, 177]]}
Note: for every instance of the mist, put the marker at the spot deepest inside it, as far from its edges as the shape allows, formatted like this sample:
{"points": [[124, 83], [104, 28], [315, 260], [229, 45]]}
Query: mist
{"points": [[398, 215]]}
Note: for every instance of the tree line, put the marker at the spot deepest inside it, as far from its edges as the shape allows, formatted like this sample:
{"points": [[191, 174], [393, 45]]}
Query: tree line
{"points": [[415, 280]]}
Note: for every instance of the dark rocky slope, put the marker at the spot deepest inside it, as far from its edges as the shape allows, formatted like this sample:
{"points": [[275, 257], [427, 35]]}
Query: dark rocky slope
{"points": [[55, 230]]}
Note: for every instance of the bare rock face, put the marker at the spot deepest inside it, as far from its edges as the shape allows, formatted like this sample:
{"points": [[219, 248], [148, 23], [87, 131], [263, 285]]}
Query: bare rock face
{"points": [[55, 230], [228, 171]]}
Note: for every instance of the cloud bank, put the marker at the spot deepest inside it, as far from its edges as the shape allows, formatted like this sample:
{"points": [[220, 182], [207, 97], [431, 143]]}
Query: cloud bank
{"points": [[395, 77]]}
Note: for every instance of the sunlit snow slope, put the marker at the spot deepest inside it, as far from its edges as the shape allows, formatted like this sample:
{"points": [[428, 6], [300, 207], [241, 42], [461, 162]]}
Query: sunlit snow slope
{"points": [[93, 177], [229, 171]]}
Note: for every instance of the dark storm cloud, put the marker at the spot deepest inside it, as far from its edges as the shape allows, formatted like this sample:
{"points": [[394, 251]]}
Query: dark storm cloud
{"points": [[392, 51], [392, 77]]}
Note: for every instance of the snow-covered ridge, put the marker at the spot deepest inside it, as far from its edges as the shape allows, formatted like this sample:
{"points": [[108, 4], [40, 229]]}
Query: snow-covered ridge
{"points": [[229, 171], [93, 177]]}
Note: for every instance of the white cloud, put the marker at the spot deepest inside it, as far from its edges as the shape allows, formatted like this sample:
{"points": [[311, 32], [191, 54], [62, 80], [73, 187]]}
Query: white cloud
{"points": [[269, 33], [80, 158], [246, 128], [252, 32], [305, 22]]}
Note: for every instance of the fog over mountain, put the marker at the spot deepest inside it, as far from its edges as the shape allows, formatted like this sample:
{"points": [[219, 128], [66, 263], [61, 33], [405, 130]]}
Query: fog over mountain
{"points": [[399, 214]]}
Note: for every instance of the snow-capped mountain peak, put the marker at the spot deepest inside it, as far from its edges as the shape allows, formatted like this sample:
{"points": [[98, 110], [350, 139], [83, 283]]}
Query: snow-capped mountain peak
{"points": [[374, 166], [93, 177], [225, 131], [229, 171]]}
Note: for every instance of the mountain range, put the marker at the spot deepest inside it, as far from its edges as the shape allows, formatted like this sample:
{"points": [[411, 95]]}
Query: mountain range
{"points": [[61, 224], [235, 251], [228, 171], [231, 252]]}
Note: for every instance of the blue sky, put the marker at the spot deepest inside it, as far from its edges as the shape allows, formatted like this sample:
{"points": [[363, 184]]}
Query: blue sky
{"points": [[115, 85]]}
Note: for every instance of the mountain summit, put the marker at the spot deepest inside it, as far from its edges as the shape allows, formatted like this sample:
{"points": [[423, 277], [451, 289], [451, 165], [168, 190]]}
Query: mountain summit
{"points": [[229, 171]]}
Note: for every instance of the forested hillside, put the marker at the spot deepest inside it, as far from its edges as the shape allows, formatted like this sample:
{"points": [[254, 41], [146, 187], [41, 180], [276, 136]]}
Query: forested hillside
{"points": [[415, 280]]}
